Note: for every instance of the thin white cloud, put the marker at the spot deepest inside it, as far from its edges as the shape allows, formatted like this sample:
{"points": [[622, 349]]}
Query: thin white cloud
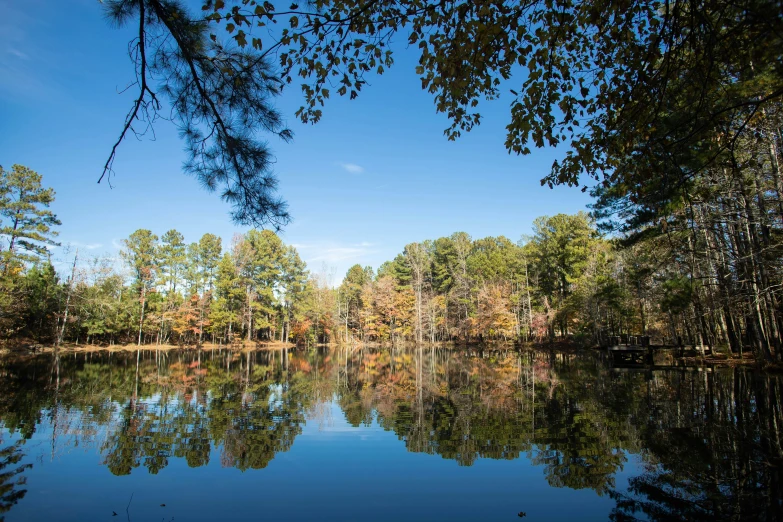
{"points": [[86, 246], [352, 168], [22, 73], [330, 252], [17, 53], [334, 254]]}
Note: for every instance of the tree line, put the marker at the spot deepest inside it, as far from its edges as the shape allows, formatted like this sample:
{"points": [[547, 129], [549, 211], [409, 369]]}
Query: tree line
{"points": [[707, 275]]}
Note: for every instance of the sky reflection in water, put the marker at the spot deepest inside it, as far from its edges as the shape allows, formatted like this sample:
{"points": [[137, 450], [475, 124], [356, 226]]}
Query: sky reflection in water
{"points": [[383, 434]]}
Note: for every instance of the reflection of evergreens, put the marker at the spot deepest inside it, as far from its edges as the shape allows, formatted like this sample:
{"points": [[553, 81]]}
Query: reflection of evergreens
{"points": [[255, 425], [149, 434], [11, 479], [710, 442], [577, 441], [251, 412]]}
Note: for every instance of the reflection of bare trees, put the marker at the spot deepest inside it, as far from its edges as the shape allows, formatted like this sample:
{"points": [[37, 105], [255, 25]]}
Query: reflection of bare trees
{"points": [[716, 454]]}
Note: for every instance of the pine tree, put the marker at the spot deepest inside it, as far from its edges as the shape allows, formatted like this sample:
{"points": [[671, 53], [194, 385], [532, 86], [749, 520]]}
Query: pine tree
{"points": [[26, 221], [142, 255]]}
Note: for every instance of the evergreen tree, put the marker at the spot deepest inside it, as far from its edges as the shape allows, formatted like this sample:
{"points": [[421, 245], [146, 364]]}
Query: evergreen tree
{"points": [[141, 254], [172, 255], [25, 221]]}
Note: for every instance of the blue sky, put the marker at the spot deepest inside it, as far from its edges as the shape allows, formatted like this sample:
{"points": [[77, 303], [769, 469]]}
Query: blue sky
{"points": [[374, 174]]}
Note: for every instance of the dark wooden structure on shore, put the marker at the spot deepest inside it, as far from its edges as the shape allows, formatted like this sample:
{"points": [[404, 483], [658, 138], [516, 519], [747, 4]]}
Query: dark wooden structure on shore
{"points": [[636, 350], [630, 349]]}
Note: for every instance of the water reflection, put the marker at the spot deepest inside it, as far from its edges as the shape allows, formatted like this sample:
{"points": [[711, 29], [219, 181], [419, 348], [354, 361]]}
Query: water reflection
{"points": [[12, 481], [709, 441]]}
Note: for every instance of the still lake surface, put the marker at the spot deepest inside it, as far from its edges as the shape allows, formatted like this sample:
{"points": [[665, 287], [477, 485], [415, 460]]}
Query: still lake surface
{"points": [[383, 434]]}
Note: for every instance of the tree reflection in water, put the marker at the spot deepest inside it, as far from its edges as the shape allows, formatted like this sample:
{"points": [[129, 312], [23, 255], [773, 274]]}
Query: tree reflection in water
{"points": [[11, 478], [709, 440]]}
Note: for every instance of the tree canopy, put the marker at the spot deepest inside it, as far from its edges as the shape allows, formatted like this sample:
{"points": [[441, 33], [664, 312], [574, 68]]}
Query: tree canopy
{"points": [[219, 99], [629, 87]]}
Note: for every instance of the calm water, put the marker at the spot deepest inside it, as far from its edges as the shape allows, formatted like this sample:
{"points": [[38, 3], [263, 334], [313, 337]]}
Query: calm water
{"points": [[394, 435]]}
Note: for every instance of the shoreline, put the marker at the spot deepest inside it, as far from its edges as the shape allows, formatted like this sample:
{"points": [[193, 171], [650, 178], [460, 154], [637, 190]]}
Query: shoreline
{"points": [[29, 348], [33, 348]]}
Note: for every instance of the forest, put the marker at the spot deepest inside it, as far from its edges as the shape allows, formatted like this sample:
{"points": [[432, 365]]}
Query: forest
{"points": [[680, 149], [709, 275]]}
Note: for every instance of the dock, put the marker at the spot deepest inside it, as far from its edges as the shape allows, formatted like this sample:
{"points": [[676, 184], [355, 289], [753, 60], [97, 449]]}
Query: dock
{"points": [[634, 354], [637, 350]]}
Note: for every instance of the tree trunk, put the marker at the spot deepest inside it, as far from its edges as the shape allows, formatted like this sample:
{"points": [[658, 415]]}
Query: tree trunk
{"points": [[141, 317]]}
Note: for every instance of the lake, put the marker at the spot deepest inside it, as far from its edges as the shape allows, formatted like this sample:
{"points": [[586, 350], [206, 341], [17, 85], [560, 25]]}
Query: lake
{"points": [[384, 434]]}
